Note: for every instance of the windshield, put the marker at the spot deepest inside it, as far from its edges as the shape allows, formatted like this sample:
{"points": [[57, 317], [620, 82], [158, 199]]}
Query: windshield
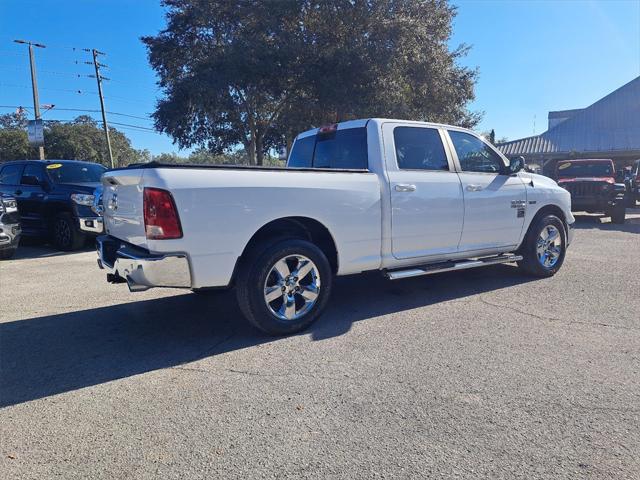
{"points": [[574, 169], [75, 172]]}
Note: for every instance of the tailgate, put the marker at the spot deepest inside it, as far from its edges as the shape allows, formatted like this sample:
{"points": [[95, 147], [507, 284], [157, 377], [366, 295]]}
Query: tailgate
{"points": [[122, 202]]}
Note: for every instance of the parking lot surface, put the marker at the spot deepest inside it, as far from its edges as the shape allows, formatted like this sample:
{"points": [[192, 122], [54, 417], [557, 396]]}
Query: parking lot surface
{"points": [[478, 374]]}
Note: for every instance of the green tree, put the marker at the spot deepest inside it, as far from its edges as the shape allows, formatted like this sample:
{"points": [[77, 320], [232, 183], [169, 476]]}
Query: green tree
{"points": [[14, 144], [80, 139], [255, 72]]}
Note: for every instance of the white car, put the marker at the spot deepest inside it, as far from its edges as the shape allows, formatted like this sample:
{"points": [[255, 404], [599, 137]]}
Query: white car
{"points": [[405, 198]]}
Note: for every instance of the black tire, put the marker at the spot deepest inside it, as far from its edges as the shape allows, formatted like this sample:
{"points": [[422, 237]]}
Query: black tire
{"points": [[530, 263], [629, 200], [7, 253], [618, 213], [256, 271], [64, 233]]}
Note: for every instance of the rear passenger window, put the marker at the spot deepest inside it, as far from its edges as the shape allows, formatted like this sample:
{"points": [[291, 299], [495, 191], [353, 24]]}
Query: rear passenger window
{"points": [[340, 149], [34, 170], [10, 175], [419, 148]]}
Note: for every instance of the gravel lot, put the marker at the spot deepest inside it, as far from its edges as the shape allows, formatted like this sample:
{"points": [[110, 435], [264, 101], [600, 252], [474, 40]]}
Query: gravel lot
{"points": [[479, 374]]}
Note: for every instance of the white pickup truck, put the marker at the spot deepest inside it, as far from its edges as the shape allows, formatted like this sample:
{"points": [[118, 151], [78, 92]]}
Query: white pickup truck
{"points": [[405, 198]]}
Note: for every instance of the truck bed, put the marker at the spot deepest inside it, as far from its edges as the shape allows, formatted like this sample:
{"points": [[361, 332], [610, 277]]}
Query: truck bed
{"points": [[221, 208]]}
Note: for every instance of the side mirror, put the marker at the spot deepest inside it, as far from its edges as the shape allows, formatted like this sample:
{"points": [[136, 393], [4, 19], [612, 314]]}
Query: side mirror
{"points": [[515, 165]]}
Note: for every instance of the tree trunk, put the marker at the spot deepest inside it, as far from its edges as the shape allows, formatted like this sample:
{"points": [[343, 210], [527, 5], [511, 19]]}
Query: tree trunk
{"points": [[251, 151], [259, 151]]}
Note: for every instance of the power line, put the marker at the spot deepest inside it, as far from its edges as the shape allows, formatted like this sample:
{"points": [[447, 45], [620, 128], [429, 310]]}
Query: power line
{"points": [[106, 111], [78, 91], [134, 126], [88, 111]]}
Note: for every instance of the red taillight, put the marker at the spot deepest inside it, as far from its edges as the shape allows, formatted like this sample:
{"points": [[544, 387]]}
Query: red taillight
{"points": [[161, 220]]}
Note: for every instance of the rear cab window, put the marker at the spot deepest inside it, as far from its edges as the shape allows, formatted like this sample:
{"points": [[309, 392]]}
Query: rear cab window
{"points": [[340, 149]]}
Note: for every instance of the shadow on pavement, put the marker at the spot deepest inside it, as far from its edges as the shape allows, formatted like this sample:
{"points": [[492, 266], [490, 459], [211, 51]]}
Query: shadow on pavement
{"points": [[34, 248], [586, 221], [53, 354]]}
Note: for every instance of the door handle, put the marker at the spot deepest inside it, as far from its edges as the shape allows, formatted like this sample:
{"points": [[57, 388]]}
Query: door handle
{"points": [[405, 187], [18, 192], [474, 188]]}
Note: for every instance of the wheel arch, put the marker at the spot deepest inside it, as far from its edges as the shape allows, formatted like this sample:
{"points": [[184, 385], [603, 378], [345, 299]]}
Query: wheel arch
{"points": [[305, 228], [549, 209]]}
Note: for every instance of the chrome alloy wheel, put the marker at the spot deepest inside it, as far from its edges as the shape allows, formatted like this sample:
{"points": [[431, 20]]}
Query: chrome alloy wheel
{"points": [[292, 287], [549, 246]]}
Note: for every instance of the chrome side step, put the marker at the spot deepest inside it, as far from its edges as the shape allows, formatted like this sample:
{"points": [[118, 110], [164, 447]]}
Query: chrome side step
{"points": [[451, 266]]}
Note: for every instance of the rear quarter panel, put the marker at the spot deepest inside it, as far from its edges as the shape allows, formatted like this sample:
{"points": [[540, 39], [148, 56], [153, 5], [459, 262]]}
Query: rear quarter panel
{"points": [[220, 210]]}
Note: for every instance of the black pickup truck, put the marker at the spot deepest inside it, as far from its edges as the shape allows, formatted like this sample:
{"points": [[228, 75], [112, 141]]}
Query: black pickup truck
{"points": [[56, 199]]}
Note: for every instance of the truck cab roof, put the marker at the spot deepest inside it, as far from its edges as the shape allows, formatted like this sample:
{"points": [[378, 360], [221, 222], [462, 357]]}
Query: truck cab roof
{"points": [[359, 123]]}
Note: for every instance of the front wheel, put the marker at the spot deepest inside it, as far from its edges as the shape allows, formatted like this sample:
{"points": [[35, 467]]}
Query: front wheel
{"points": [[64, 235], [544, 247], [618, 213], [284, 289], [7, 253]]}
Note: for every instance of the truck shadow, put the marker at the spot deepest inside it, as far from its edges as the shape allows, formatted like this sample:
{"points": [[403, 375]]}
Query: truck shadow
{"points": [[36, 248], [586, 221], [54, 354]]}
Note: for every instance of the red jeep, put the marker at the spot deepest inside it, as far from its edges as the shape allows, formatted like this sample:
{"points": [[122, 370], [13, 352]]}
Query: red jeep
{"points": [[593, 188]]}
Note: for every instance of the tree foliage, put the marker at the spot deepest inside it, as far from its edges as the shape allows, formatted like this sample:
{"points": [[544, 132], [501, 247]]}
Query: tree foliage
{"points": [[256, 72], [80, 139]]}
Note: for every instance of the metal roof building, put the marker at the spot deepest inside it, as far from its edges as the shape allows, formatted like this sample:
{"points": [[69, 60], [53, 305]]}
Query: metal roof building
{"points": [[610, 128]]}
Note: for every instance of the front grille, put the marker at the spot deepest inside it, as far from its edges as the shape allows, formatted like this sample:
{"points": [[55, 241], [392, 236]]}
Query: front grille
{"points": [[584, 189]]}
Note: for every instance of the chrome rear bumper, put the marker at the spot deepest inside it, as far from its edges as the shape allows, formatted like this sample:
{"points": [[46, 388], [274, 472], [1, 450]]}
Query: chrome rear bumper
{"points": [[140, 269]]}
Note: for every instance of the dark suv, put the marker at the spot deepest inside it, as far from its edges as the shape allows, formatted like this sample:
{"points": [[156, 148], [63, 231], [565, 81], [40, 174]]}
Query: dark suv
{"points": [[593, 188], [56, 199]]}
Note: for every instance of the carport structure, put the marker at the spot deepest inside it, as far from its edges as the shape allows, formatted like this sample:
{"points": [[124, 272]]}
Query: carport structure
{"points": [[610, 128]]}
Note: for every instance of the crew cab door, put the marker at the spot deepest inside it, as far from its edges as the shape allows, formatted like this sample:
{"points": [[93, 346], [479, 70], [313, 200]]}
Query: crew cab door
{"points": [[32, 197], [494, 202], [426, 196]]}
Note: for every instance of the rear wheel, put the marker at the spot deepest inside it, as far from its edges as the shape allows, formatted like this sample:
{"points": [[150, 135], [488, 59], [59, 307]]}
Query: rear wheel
{"points": [[64, 234], [544, 247], [285, 288]]}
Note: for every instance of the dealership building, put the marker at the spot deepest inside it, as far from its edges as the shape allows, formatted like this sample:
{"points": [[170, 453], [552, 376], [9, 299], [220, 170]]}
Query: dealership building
{"points": [[610, 128]]}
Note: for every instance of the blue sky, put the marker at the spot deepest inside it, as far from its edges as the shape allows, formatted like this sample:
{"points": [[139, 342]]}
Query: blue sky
{"points": [[533, 56]]}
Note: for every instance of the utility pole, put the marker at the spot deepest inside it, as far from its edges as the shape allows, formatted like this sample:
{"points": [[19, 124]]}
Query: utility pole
{"points": [[99, 79], [34, 84]]}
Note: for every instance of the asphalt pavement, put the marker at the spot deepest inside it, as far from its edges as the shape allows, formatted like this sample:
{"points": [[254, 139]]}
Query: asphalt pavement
{"points": [[478, 374]]}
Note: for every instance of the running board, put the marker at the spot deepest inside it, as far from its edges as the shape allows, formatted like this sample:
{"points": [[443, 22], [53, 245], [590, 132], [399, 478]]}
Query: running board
{"points": [[451, 266]]}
